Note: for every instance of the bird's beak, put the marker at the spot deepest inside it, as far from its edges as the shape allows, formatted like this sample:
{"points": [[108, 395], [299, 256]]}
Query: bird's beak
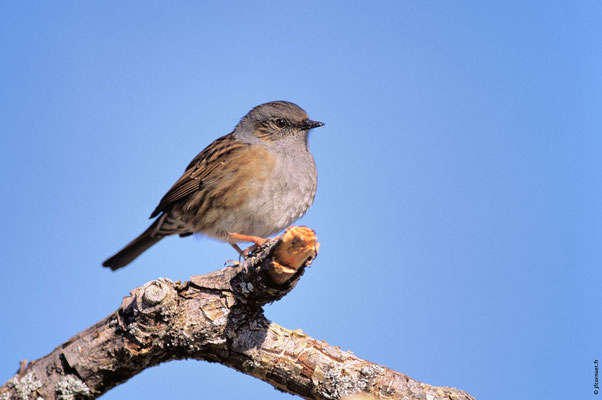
{"points": [[309, 124]]}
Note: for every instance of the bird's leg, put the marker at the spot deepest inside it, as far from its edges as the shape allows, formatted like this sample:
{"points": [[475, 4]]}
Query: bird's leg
{"points": [[246, 238]]}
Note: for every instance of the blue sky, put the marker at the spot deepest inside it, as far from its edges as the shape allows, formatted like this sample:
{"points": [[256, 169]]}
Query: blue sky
{"points": [[459, 191]]}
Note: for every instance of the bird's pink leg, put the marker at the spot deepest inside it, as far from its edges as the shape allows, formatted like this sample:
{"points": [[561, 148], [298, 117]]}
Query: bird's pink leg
{"points": [[247, 238], [259, 241]]}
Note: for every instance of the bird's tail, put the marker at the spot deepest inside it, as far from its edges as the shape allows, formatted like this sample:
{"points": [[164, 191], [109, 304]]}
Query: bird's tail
{"points": [[135, 247]]}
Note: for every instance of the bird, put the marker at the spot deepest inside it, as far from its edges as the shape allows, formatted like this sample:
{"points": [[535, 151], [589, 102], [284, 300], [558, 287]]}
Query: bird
{"points": [[244, 187]]}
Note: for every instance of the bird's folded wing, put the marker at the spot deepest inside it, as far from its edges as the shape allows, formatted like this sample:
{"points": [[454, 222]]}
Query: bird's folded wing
{"points": [[217, 155]]}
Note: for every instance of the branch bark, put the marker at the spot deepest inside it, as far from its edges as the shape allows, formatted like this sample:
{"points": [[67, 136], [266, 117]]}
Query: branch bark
{"points": [[216, 317]]}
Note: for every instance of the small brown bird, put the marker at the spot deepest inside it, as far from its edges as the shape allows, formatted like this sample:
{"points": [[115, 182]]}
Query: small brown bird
{"points": [[245, 186]]}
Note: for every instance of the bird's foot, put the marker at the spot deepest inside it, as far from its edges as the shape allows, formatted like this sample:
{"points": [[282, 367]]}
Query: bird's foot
{"points": [[232, 263]]}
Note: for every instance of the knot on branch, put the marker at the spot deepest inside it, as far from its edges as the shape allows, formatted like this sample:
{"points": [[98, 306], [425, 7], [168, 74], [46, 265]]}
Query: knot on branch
{"points": [[148, 310]]}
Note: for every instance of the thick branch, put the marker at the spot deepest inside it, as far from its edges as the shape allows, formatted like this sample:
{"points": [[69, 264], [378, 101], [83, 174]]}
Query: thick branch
{"points": [[216, 317]]}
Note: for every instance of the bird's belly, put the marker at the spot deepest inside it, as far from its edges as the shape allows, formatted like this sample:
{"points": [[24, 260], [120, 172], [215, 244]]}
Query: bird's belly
{"points": [[276, 204]]}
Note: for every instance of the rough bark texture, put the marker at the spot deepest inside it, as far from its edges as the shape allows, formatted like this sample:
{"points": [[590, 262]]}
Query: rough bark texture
{"points": [[218, 318]]}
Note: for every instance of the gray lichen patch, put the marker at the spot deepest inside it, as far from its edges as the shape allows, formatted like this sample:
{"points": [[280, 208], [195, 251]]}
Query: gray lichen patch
{"points": [[343, 380], [25, 387], [71, 388], [338, 383]]}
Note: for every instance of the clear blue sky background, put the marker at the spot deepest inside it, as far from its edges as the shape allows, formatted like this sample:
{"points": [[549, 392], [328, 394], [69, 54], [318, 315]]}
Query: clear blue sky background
{"points": [[460, 179]]}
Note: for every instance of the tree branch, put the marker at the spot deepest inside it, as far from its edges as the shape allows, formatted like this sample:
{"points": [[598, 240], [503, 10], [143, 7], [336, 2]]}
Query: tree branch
{"points": [[216, 317]]}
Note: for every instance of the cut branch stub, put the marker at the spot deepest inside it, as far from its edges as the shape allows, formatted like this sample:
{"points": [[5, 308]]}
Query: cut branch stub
{"points": [[298, 245]]}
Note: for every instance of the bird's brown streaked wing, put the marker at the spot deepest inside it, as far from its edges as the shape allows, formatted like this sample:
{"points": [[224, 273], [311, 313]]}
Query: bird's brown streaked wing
{"points": [[201, 166], [215, 147]]}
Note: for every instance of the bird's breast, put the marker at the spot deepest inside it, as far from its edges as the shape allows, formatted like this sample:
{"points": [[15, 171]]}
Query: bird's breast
{"points": [[286, 195], [267, 192]]}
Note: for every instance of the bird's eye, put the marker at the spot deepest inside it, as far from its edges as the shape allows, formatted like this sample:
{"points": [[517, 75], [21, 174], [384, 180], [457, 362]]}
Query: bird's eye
{"points": [[281, 123]]}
